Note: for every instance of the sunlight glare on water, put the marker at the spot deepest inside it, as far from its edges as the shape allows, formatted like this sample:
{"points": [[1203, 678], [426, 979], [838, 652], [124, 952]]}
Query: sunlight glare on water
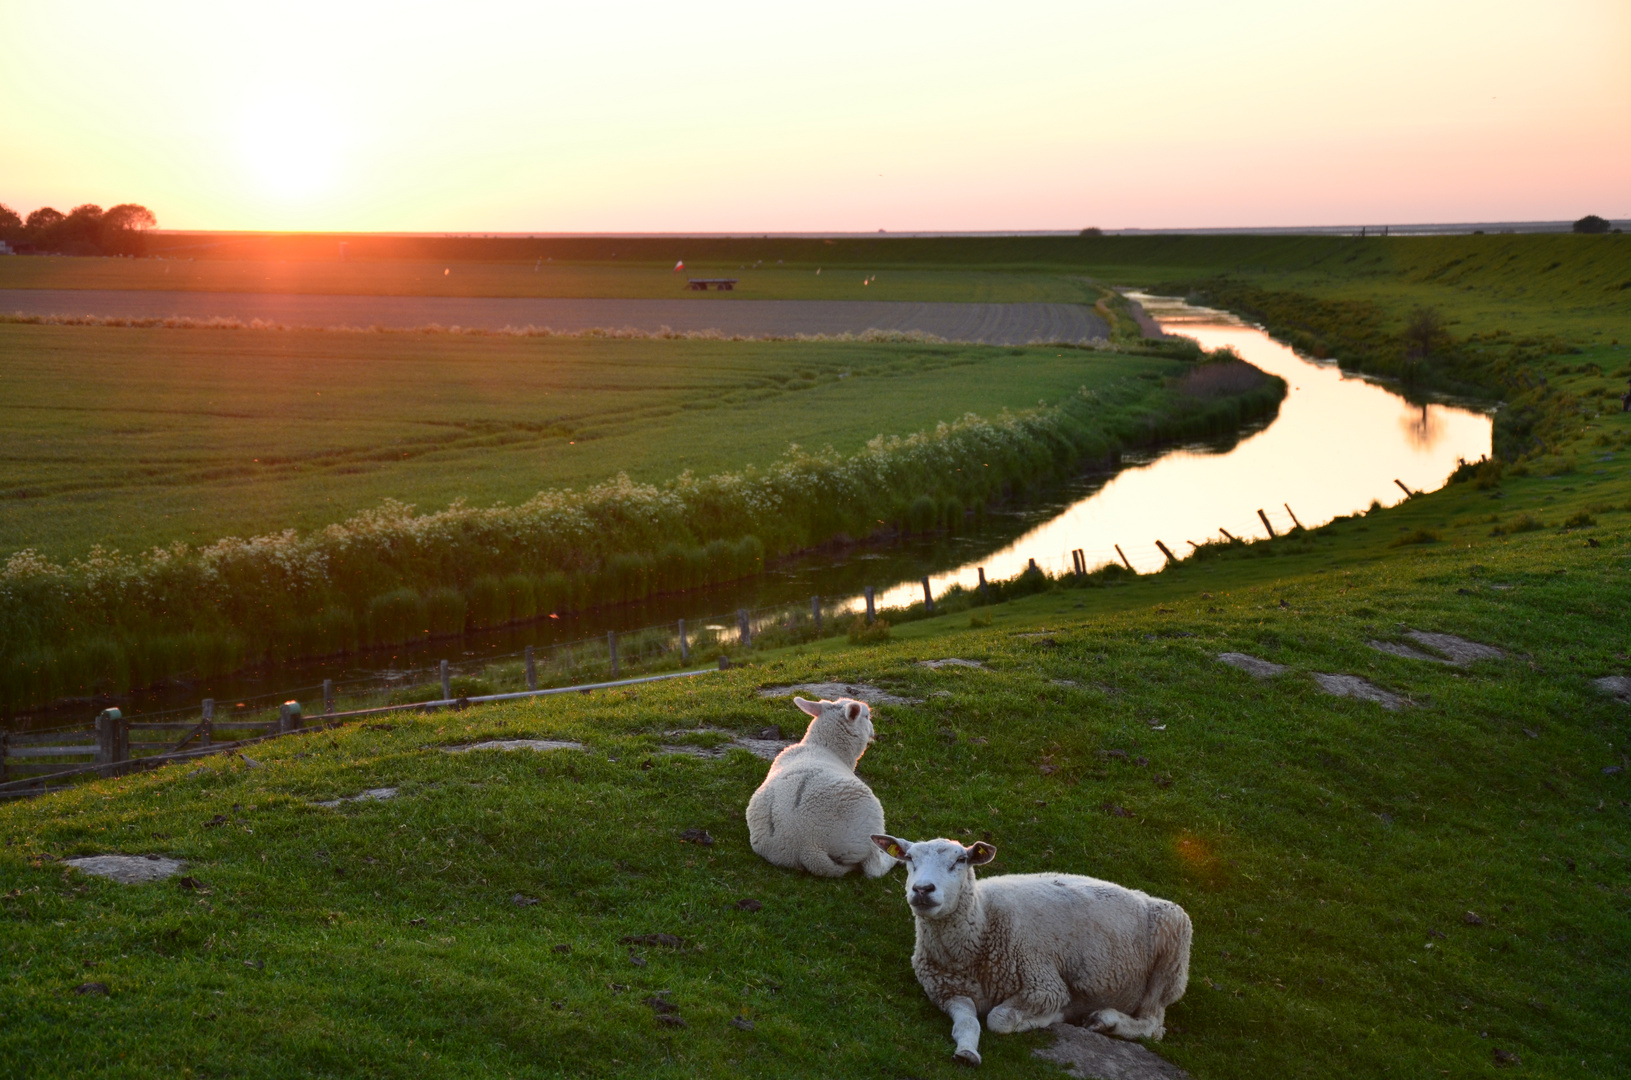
{"points": [[1338, 443]]}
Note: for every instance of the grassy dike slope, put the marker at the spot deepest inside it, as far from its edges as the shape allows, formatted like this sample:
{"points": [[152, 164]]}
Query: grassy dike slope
{"points": [[1328, 850]]}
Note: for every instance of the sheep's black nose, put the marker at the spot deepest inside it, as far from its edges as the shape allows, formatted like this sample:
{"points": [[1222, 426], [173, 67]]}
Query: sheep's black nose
{"points": [[923, 890]]}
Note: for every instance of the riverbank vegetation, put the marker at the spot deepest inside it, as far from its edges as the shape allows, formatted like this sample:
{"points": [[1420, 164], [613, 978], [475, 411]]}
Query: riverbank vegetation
{"points": [[1438, 888], [105, 621]]}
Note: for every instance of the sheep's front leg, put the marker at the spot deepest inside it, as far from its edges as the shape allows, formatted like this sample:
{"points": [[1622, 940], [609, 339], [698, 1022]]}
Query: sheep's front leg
{"points": [[965, 1029], [1024, 1013]]}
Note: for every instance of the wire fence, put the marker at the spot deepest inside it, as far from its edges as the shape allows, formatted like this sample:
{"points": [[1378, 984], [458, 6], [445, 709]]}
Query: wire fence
{"points": [[30, 760]]}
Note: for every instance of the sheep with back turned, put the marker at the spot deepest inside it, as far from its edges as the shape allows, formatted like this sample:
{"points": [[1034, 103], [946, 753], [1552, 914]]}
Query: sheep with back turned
{"points": [[1026, 951], [812, 812]]}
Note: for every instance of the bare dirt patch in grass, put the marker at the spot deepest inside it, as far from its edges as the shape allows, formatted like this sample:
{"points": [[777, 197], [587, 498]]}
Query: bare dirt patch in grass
{"points": [[516, 744], [1086, 1053], [371, 795], [1356, 687], [831, 691], [1252, 665], [128, 869]]}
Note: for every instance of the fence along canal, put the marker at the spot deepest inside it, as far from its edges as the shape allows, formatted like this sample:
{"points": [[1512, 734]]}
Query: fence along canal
{"points": [[40, 761]]}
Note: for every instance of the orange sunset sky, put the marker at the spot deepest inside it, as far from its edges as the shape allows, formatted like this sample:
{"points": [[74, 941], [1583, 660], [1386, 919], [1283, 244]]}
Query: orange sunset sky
{"points": [[809, 117]]}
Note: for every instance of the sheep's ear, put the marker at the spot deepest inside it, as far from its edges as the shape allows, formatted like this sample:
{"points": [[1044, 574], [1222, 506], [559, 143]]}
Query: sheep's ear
{"points": [[981, 853], [852, 711], [811, 707], [892, 846]]}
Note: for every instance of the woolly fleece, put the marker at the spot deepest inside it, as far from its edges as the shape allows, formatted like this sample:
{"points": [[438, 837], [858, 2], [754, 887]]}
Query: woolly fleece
{"points": [[812, 812], [1024, 951]]}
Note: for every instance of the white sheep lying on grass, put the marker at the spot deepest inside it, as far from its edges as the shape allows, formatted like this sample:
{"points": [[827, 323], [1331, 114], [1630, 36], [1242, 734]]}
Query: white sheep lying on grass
{"points": [[812, 812], [1028, 950]]}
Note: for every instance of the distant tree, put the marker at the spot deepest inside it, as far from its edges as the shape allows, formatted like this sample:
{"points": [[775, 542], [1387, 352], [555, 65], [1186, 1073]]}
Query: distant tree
{"points": [[87, 229], [80, 233], [123, 226], [1092, 230], [9, 218], [129, 216], [43, 219], [1425, 333], [1592, 224]]}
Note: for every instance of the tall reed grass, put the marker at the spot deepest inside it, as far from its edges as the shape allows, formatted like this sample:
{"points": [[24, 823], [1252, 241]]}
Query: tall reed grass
{"points": [[391, 574]]}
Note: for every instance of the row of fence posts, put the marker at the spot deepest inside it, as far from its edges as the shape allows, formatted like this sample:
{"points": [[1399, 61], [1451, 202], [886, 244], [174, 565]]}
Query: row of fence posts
{"points": [[113, 732], [115, 747], [113, 741], [1227, 535]]}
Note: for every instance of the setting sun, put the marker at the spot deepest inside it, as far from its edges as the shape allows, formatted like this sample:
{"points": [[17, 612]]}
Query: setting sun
{"points": [[290, 147]]}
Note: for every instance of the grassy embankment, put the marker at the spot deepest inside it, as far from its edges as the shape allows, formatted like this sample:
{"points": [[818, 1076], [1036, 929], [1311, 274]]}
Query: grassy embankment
{"points": [[133, 437], [1329, 851], [1322, 845]]}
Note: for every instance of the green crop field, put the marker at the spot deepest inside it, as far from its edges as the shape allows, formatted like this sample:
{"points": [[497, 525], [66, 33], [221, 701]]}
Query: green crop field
{"points": [[135, 437]]}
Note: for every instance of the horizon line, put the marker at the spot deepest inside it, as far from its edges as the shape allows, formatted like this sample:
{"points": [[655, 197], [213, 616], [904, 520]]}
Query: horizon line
{"points": [[1372, 230]]}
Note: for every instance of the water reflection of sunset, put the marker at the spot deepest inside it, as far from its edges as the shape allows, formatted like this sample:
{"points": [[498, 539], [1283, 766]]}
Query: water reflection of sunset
{"points": [[1338, 443]]}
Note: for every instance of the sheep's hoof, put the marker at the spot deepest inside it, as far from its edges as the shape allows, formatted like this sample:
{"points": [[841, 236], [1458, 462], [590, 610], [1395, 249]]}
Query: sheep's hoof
{"points": [[967, 1057]]}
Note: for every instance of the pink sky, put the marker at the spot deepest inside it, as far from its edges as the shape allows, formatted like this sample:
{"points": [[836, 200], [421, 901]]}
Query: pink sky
{"points": [[834, 116]]}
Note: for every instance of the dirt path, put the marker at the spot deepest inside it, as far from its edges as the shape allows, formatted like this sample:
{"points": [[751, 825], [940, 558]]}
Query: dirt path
{"points": [[997, 324]]}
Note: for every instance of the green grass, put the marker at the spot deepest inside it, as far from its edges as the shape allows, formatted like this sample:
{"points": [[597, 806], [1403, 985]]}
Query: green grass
{"points": [[137, 437], [1326, 849]]}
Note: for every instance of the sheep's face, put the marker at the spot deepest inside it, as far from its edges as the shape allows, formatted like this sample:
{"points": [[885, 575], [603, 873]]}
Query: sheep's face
{"points": [[937, 871]]}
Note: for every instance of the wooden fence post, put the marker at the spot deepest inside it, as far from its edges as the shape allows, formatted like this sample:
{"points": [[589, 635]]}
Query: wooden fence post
{"points": [[744, 628], [928, 597], [1124, 561], [289, 718], [871, 612], [112, 740], [328, 697], [1266, 524], [447, 681], [611, 649], [1171, 558], [815, 612], [685, 646], [1227, 536], [985, 593], [532, 670], [206, 736], [1407, 491], [104, 740], [1293, 514]]}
